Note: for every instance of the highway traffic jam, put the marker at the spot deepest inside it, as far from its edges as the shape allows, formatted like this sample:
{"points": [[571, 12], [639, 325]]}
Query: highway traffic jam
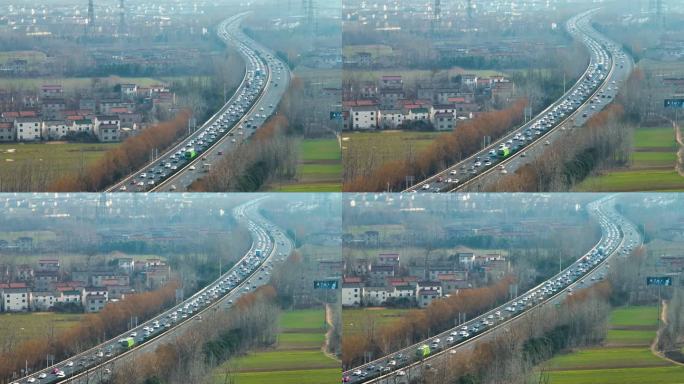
{"points": [[592, 92], [236, 120], [619, 237], [269, 246]]}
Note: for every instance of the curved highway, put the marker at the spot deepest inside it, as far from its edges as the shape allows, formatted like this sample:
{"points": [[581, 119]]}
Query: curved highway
{"points": [[608, 68], [270, 247], [619, 237], [264, 84]]}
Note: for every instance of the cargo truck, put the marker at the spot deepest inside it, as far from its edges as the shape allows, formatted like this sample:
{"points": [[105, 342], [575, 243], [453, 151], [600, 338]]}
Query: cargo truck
{"points": [[190, 154], [423, 351], [127, 343]]}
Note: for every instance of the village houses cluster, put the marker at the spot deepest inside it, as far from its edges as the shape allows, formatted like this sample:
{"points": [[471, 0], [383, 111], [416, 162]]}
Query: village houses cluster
{"points": [[386, 281], [48, 287], [51, 115], [389, 104]]}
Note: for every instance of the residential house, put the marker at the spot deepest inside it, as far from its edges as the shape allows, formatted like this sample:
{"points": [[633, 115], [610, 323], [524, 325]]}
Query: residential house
{"points": [[45, 280], [55, 129], [51, 91], [375, 296], [28, 128], [391, 82], [364, 117], [388, 259], [352, 291], [82, 126], [425, 297], [16, 299], [444, 122], [7, 131], [95, 303], [390, 118], [43, 300]]}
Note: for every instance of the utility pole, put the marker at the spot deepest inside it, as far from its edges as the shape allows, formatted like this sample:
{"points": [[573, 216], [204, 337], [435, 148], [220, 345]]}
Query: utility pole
{"points": [[122, 18], [90, 22]]}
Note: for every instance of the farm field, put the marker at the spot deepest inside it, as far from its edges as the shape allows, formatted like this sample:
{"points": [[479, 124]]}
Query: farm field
{"points": [[365, 151], [24, 326], [624, 358], [71, 83], [652, 166], [296, 358], [52, 160], [412, 75], [353, 319], [319, 168]]}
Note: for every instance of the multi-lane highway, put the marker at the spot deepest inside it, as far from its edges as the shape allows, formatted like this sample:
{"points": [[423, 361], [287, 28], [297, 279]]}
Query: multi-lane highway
{"points": [[608, 68], [270, 247], [264, 84], [619, 237]]}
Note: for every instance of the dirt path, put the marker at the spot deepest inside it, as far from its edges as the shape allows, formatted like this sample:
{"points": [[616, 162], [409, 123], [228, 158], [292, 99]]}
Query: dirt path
{"points": [[680, 153], [328, 334], [654, 345]]}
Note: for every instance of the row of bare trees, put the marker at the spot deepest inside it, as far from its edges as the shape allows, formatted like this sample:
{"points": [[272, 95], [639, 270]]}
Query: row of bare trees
{"points": [[187, 357], [124, 159], [445, 150], [269, 154], [94, 328], [604, 141], [511, 353], [417, 325]]}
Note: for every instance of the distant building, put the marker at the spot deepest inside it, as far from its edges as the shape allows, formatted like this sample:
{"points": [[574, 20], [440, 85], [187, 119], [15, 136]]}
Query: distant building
{"points": [[55, 129], [364, 117], [352, 291], [95, 303], [43, 301], [16, 299], [28, 128], [7, 131]]}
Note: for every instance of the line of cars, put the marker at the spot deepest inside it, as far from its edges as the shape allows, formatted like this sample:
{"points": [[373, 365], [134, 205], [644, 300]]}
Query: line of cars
{"points": [[602, 52], [619, 236], [257, 72], [255, 262]]}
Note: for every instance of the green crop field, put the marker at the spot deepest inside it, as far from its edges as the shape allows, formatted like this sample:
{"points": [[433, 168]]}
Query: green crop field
{"points": [[319, 168], [296, 358], [353, 320], [626, 358], [654, 375], [284, 361], [301, 340], [634, 316], [596, 358], [314, 376], [631, 181], [629, 337], [23, 326], [303, 319], [661, 137], [652, 166]]}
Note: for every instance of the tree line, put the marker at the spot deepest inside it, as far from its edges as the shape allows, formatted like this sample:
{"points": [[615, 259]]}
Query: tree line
{"points": [[445, 150], [131, 155], [417, 325], [92, 329], [220, 334]]}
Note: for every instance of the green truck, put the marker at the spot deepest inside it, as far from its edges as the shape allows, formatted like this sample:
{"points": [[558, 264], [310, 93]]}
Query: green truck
{"points": [[504, 152], [423, 351], [190, 154], [127, 343]]}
